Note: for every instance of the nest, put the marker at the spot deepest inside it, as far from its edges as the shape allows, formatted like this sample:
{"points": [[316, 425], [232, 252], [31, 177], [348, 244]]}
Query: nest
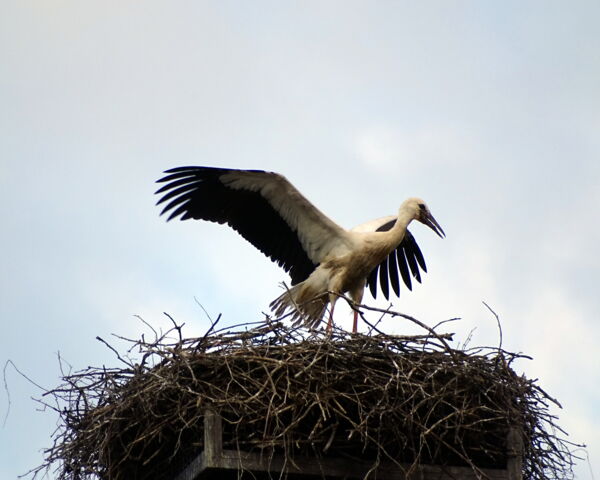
{"points": [[282, 390]]}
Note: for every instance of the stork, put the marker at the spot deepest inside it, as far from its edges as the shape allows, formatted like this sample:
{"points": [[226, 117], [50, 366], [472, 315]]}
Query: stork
{"points": [[323, 259]]}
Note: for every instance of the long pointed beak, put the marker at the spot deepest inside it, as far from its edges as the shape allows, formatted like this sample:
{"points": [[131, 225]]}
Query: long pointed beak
{"points": [[434, 225]]}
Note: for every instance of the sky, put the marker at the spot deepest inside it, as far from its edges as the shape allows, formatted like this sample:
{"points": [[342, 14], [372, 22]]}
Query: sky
{"points": [[490, 111]]}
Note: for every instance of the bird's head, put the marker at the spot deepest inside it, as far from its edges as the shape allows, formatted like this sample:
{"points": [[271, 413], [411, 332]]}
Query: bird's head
{"points": [[420, 211]]}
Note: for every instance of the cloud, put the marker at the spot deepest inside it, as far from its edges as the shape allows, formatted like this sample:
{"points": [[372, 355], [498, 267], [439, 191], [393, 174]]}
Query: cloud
{"points": [[394, 149]]}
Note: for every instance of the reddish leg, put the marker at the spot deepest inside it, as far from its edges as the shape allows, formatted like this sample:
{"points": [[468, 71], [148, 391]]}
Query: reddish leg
{"points": [[330, 322], [356, 299], [355, 323]]}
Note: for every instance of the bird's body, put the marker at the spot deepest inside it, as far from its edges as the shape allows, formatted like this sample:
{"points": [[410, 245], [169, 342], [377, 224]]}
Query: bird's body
{"points": [[323, 259]]}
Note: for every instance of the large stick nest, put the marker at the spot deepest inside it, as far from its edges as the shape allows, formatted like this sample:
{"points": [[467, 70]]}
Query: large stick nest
{"points": [[281, 390]]}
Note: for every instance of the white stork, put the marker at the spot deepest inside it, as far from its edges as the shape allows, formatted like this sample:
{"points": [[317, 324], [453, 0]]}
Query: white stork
{"points": [[323, 259]]}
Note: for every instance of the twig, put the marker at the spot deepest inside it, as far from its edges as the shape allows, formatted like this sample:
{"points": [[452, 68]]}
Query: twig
{"points": [[100, 339], [497, 322]]}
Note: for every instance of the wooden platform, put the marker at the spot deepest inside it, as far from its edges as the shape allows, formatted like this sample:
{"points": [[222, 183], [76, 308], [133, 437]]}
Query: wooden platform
{"points": [[216, 463]]}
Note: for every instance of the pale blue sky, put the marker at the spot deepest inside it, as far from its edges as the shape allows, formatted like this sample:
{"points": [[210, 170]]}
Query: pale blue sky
{"points": [[488, 110]]}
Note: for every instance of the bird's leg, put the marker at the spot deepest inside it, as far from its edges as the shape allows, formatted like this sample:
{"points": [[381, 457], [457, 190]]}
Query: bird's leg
{"points": [[332, 300], [330, 322], [357, 296]]}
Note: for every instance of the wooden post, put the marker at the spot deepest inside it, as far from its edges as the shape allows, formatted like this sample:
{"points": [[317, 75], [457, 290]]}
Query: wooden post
{"points": [[514, 453], [213, 448], [213, 437]]}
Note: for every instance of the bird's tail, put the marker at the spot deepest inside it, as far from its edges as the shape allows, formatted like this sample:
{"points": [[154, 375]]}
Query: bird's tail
{"points": [[306, 304]]}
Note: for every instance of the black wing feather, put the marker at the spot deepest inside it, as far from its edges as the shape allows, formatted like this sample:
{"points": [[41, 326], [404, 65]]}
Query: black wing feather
{"points": [[403, 267], [393, 271], [383, 278], [405, 259], [372, 281], [416, 252], [198, 193], [409, 251]]}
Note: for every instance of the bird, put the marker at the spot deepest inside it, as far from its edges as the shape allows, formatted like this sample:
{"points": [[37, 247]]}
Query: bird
{"points": [[323, 259]]}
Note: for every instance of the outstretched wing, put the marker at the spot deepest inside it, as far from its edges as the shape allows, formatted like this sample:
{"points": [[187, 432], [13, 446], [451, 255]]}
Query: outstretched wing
{"points": [[402, 262], [263, 207]]}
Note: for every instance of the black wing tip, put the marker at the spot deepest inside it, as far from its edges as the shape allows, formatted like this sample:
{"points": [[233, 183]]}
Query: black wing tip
{"points": [[165, 210], [179, 171], [177, 177], [162, 189], [186, 168]]}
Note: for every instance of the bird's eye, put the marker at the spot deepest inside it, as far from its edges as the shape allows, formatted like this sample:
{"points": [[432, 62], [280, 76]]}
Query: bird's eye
{"points": [[422, 206]]}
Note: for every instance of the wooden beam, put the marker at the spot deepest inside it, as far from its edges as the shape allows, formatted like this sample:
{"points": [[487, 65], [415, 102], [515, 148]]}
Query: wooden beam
{"points": [[213, 437], [215, 459], [194, 469], [514, 453], [213, 448], [349, 469]]}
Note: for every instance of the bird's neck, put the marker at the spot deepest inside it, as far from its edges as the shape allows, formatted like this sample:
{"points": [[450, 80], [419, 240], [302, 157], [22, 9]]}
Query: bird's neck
{"points": [[399, 229]]}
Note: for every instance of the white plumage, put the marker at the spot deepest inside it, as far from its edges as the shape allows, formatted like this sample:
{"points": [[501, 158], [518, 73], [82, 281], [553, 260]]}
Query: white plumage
{"points": [[323, 259]]}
